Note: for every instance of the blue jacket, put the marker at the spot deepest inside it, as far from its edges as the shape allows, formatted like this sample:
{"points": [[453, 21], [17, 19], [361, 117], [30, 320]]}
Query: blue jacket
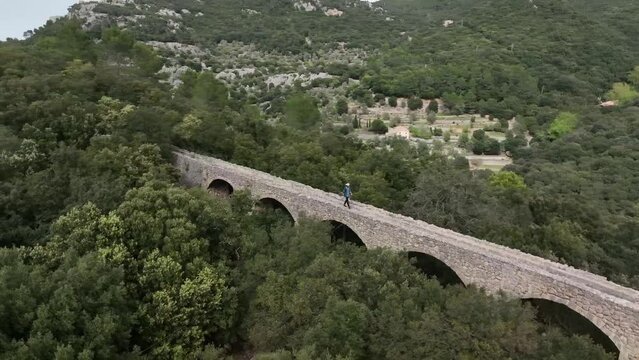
{"points": [[347, 191]]}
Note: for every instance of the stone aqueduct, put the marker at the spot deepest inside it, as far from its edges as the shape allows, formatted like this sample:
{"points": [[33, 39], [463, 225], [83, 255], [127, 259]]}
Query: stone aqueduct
{"points": [[612, 308]]}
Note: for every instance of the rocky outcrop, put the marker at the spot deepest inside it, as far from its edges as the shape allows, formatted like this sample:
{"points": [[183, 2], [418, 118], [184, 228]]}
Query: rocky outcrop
{"points": [[289, 79], [169, 13], [333, 12], [307, 5], [232, 74], [178, 48], [174, 74]]}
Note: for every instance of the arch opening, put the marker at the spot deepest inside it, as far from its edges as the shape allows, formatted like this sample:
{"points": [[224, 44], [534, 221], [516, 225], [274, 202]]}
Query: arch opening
{"points": [[276, 207], [435, 268], [342, 232], [568, 320], [220, 187]]}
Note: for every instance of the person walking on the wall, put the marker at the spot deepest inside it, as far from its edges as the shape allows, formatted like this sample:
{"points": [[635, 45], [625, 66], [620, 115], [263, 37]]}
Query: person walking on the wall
{"points": [[347, 195]]}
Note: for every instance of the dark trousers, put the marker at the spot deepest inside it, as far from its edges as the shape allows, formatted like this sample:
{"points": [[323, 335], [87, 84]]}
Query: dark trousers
{"points": [[346, 203]]}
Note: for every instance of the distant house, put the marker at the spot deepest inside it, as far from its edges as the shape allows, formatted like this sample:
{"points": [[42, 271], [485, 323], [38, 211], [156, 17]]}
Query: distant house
{"points": [[401, 131], [609, 103]]}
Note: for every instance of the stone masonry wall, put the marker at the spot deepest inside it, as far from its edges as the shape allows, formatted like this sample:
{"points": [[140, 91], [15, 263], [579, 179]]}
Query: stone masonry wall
{"points": [[612, 308]]}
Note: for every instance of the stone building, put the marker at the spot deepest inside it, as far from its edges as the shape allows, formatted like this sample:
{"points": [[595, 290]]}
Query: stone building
{"points": [[400, 131]]}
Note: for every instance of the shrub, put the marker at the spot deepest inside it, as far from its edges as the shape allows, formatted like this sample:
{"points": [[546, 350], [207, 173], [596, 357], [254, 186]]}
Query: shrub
{"points": [[378, 127], [421, 133], [463, 141], [415, 103], [380, 98], [433, 106], [345, 129], [431, 118], [341, 107]]}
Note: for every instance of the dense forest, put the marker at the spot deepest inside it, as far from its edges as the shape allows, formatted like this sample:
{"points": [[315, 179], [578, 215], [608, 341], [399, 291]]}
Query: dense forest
{"points": [[104, 256], [544, 63]]}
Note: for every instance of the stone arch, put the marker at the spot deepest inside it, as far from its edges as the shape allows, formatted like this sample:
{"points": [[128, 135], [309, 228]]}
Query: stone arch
{"points": [[566, 317], [274, 204], [220, 187], [343, 232], [434, 267]]}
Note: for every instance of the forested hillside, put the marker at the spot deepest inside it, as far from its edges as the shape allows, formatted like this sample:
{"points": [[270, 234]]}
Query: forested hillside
{"points": [[500, 57], [544, 63], [104, 256]]}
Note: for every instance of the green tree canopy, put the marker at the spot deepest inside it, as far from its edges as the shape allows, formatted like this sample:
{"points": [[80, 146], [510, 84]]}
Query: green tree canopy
{"points": [[563, 124], [623, 93], [634, 76], [301, 112], [507, 180], [208, 93]]}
